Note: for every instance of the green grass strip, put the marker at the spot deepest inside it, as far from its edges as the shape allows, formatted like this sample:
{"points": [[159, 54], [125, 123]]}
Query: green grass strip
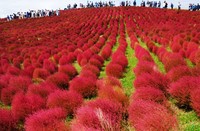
{"points": [[189, 63], [188, 121], [2, 106], [77, 66], [158, 63], [129, 76], [103, 71]]}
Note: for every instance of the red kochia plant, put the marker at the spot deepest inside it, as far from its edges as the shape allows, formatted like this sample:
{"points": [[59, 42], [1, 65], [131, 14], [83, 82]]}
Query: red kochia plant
{"points": [[85, 86], [145, 67], [113, 93], [155, 79], [119, 58], [40, 73], [150, 94], [182, 88], [59, 79], [7, 122], [56, 58], [28, 71], [100, 114], [68, 69], [195, 100], [4, 81], [95, 62], [147, 115], [114, 70], [48, 120], [87, 73], [98, 57], [82, 60], [49, 65], [92, 68], [106, 52], [68, 100], [109, 81], [142, 54], [178, 72], [43, 89], [20, 82], [176, 47], [7, 94], [26, 63], [24, 105], [172, 60], [13, 70], [64, 60]]}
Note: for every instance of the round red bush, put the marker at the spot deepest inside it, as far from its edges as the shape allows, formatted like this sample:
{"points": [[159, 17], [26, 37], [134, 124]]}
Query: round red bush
{"points": [[50, 66], [59, 79], [92, 68], [109, 81], [150, 94], [178, 72], [146, 115], [43, 89], [100, 114], [171, 60], [68, 100], [84, 86], [114, 70], [7, 122], [182, 88], [95, 62], [7, 94], [20, 82], [24, 105], [113, 93], [145, 67], [12, 70], [155, 79], [40, 73], [68, 69], [87, 73], [48, 120]]}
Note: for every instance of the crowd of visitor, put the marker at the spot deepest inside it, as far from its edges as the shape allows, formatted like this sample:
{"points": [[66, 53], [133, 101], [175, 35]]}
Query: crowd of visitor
{"points": [[193, 7], [33, 14], [90, 4]]}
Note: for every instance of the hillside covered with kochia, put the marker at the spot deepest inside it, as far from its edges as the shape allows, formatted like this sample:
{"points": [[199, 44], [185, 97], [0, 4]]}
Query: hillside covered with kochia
{"points": [[105, 69]]}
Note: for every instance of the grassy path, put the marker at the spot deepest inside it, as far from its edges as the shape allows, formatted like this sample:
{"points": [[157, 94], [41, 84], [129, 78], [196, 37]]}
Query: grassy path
{"points": [[129, 76], [103, 71]]}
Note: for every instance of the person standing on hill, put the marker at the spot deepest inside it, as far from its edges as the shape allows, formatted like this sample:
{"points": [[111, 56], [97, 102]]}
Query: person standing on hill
{"points": [[172, 5], [159, 4], [179, 5], [134, 3], [165, 5]]}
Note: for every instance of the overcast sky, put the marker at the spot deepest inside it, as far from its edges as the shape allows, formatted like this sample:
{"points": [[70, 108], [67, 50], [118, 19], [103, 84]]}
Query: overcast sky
{"points": [[12, 6]]}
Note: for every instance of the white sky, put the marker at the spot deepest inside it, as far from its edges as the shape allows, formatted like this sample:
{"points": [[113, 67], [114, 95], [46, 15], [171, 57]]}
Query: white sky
{"points": [[8, 7]]}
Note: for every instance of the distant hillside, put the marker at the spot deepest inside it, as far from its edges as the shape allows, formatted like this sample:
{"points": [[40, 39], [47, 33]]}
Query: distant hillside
{"points": [[105, 69]]}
